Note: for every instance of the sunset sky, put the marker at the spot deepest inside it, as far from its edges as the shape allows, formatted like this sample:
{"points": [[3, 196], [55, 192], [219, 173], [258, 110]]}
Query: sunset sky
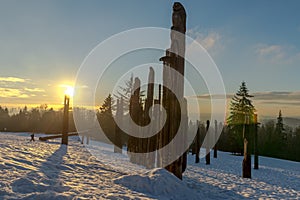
{"points": [[43, 43]]}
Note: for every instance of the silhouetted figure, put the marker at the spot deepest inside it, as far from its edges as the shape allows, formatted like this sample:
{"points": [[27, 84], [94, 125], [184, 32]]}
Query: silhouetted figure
{"points": [[32, 137]]}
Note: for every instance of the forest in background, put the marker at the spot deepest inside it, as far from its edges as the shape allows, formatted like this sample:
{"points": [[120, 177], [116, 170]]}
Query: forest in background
{"points": [[36, 120], [275, 139]]}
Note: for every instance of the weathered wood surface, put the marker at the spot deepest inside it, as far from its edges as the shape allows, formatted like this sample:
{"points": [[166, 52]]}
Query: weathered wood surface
{"points": [[207, 148], [65, 129], [246, 165], [117, 137], [56, 136], [173, 90], [216, 139], [135, 111]]}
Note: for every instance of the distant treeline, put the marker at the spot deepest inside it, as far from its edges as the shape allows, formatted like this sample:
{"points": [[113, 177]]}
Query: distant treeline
{"points": [[39, 120], [270, 142]]}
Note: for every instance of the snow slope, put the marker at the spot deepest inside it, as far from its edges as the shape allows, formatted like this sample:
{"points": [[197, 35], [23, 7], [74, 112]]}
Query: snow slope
{"points": [[48, 170]]}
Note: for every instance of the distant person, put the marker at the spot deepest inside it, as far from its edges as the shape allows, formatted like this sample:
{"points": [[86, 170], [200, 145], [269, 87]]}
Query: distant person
{"points": [[32, 137]]}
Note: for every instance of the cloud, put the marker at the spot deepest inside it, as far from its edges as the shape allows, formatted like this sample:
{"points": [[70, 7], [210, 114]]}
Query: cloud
{"points": [[270, 98], [12, 79], [34, 90], [266, 103], [208, 96], [271, 52], [12, 92], [279, 96], [9, 94], [267, 50], [275, 53], [12, 88], [290, 103], [211, 41]]}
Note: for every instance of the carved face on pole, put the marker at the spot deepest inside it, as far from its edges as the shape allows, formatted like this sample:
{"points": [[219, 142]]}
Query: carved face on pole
{"points": [[179, 17]]}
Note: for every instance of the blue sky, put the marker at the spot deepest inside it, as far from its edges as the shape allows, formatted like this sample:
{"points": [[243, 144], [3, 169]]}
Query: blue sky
{"points": [[43, 43]]}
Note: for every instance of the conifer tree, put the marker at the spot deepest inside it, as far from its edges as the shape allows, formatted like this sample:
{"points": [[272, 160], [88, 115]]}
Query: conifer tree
{"points": [[106, 107], [241, 112], [105, 118], [279, 127]]}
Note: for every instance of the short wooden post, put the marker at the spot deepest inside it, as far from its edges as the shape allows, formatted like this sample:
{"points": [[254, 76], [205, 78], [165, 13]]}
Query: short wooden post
{"points": [[207, 157], [255, 142], [215, 139], [197, 143], [247, 156]]}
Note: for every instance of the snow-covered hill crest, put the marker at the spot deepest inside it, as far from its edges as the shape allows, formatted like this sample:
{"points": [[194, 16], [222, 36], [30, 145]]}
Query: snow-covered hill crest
{"points": [[48, 170]]}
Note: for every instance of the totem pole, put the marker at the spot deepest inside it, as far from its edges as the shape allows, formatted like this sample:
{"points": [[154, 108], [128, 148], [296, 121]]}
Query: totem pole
{"points": [[173, 99], [119, 117], [148, 113], [135, 112]]}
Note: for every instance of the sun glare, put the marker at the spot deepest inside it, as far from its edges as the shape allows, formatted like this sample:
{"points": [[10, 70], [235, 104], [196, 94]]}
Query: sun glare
{"points": [[69, 91]]}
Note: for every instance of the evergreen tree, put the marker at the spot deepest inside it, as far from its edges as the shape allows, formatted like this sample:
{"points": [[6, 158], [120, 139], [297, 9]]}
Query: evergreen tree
{"points": [[105, 118], [4, 118], [34, 119], [279, 137], [241, 112], [280, 131], [106, 107], [125, 92]]}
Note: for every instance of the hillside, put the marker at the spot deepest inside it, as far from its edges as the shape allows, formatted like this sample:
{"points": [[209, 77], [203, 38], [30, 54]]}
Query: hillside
{"points": [[47, 170]]}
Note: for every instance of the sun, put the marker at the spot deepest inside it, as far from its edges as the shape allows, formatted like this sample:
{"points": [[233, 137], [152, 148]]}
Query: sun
{"points": [[69, 90]]}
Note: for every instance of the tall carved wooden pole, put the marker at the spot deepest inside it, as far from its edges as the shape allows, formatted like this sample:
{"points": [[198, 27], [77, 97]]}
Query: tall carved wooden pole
{"points": [[135, 113], [174, 59], [150, 93], [119, 117], [207, 157], [65, 130], [159, 137], [150, 144]]}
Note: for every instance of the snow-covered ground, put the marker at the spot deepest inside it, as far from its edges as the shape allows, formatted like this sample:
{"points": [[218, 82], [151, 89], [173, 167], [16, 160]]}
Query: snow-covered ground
{"points": [[48, 170]]}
